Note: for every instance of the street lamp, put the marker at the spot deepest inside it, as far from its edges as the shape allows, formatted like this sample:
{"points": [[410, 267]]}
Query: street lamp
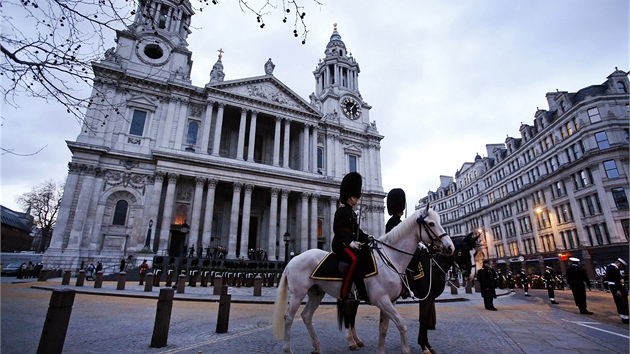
{"points": [[147, 243], [287, 239]]}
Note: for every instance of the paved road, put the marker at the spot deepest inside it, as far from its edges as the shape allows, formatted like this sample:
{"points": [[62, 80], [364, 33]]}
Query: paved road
{"points": [[124, 323]]}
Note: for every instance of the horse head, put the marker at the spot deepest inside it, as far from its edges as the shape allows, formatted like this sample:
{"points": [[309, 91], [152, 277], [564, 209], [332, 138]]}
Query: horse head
{"points": [[429, 222], [466, 248]]}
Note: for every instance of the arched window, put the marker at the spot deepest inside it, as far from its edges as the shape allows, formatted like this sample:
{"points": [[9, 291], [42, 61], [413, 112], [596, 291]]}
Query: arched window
{"points": [[120, 212], [181, 213], [191, 137], [621, 87]]}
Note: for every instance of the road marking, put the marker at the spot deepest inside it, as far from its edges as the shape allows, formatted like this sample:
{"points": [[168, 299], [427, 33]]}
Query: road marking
{"points": [[214, 340], [587, 324]]}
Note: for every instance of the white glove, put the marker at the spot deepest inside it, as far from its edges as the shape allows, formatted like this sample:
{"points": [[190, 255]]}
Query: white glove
{"points": [[355, 244], [370, 238], [421, 246]]}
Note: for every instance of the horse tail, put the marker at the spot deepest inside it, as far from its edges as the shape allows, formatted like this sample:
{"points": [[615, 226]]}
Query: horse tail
{"points": [[279, 307], [341, 311]]}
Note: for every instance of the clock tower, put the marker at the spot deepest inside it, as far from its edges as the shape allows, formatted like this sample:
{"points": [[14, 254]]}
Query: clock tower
{"points": [[337, 84], [155, 44]]}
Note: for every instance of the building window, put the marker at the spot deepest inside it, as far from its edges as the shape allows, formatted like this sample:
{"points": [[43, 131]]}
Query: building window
{"points": [[619, 196], [137, 122], [120, 212], [625, 225], [593, 115], [598, 235], [611, 169], [583, 179], [352, 163], [621, 87], [320, 159], [163, 16], [602, 140], [191, 137], [181, 214]]}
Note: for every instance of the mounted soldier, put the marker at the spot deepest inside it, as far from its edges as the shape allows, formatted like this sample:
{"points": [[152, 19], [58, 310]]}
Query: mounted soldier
{"points": [[349, 238]]}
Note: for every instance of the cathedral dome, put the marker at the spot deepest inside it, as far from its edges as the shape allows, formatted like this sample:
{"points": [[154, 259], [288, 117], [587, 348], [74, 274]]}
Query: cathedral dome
{"points": [[335, 46]]}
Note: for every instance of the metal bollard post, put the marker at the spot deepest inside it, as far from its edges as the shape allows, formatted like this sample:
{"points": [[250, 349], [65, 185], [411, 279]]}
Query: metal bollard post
{"points": [[218, 284], [469, 286], [181, 284], [122, 277], [98, 282], [223, 316], [257, 285], [162, 318], [453, 288], [148, 285], [477, 286], [81, 278], [56, 323], [66, 278]]}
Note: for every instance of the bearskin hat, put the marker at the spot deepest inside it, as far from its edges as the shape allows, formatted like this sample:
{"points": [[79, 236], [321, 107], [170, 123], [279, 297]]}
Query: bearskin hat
{"points": [[396, 201], [350, 186]]}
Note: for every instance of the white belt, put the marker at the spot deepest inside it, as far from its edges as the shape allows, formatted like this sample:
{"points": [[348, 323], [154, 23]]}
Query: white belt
{"points": [[611, 283]]}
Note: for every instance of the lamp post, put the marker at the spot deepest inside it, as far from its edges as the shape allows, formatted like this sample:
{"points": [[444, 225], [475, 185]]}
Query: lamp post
{"points": [[287, 238], [147, 243]]}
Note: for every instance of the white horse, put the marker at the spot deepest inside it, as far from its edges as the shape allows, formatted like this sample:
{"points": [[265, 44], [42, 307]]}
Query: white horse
{"points": [[397, 248]]}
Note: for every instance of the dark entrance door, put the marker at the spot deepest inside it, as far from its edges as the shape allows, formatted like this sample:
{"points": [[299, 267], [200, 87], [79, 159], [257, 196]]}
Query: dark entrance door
{"points": [[177, 248]]}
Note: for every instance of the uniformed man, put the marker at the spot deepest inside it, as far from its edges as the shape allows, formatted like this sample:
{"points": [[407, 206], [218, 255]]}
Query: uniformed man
{"points": [[488, 281], [577, 278], [396, 202], [550, 284], [617, 287], [524, 282]]}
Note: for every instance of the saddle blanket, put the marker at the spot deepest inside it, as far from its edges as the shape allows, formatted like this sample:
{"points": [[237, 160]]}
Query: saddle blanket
{"points": [[328, 268]]}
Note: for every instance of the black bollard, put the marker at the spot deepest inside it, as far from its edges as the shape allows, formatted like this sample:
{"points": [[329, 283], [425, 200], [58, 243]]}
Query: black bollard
{"points": [[56, 323], [218, 284], [257, 285], [223, 316], [148, 285], [122, 278], [98, 282], [453, 288], [162, 318], [181, 284], [81, 278], [66, 278], [469, 285]]}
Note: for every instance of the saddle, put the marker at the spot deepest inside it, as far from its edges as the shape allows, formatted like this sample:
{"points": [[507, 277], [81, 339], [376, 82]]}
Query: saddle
{"points": [[333, 269]]}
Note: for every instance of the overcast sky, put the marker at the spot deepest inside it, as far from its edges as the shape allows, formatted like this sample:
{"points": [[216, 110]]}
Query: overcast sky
{"points": [[444, 78]]}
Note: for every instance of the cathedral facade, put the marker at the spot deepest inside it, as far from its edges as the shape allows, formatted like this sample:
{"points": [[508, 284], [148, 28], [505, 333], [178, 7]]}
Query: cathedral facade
{"points": [[162, 166]]}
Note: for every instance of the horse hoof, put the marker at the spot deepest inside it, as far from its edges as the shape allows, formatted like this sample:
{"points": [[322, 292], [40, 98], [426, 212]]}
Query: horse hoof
{"points": [[432, 351], [360, 344], [353, 347]]}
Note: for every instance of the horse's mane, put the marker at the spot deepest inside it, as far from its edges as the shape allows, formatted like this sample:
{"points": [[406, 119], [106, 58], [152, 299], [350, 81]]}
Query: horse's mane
{"points": [[401, 229]]}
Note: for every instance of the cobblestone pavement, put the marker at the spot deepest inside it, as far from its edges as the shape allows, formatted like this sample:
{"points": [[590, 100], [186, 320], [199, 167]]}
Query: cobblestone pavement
{"points": [[123, 323]]}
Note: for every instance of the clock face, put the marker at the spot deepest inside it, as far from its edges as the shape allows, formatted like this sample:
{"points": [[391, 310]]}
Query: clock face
{"points": [[351, 108]]}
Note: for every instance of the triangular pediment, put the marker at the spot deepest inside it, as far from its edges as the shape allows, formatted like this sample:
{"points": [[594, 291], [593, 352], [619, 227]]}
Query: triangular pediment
{"points": [[267, 89], [142, 102]]}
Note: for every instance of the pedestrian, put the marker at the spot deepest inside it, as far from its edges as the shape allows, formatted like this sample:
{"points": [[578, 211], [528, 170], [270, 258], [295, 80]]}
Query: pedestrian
{"points": [[143, 271], [191, 252], [348, 237], [550, 284], [99, 267], [524, 282], [577, 278], [122, 265], [396, 203], [488, 280], [89, 271], [510, 282], [617, 287]]}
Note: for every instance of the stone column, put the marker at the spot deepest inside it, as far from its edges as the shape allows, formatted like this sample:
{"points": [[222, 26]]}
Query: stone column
{"points": [[95, 220], [252, 137], [207, 217], [195, 236], [304, 223], [216, 140], [61, 226], [181, 119], [314, 219], [247, 207], [233, 234], [276, 143], [333, 210], [287, 142], [207, 124], [168, 214], [329, 164], [273, 223], [155, 203], [314, 149], [83, 205], [284, 215], [240, 147], [305, 148]]}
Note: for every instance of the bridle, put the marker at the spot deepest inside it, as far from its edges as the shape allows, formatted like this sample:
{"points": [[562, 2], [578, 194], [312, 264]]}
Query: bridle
{"points": [[422, 224]]}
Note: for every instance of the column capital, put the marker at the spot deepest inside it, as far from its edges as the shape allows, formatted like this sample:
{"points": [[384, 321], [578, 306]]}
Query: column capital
{"points": [[159, 176], [315, 195], [285, 192], [172, 177], [221, 104], [212, 182], [274, 191], [249, 187], [334, 199], [254, 112], [200, 181], [237, 185], [305, 195]]}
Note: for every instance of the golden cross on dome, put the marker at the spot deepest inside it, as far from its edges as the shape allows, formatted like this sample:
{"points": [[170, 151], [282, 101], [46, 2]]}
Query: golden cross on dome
{"points": [[220, 52], [335, 26]]}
